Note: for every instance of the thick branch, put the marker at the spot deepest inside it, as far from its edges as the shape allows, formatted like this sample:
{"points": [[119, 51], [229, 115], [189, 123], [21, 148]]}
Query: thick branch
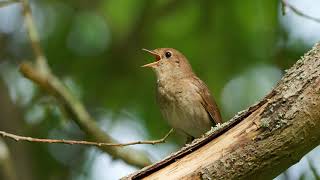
{"points": [[260, 142]]}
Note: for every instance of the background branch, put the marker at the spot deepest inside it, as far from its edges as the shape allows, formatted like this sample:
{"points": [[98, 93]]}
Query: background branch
{"points": [[297, 11], [41, 75], [41, 61]]}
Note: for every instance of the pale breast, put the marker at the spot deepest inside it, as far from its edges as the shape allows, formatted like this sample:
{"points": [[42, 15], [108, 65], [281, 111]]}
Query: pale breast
{"points": [[181, 106]]}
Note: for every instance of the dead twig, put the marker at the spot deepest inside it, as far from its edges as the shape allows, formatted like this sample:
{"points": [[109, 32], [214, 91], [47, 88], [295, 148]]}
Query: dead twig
{"points": [[90, 143], [297, 11]]}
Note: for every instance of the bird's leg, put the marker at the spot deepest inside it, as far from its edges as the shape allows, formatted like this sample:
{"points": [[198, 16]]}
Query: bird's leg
{"points": [[189, 139]]}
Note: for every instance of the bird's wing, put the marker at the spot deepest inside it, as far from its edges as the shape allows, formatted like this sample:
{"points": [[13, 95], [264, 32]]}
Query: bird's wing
{"points": [[208, 102]]}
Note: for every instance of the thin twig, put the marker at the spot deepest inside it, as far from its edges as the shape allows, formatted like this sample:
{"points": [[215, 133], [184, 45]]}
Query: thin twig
{"points": [[90, 143], [297, 11]]}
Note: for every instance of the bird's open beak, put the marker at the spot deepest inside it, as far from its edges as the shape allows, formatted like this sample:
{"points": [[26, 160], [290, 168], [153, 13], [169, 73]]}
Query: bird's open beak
{"points": [[156, 55]]}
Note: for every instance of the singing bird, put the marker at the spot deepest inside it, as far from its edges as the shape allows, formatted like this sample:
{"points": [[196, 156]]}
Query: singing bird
{"points": [[184, 100]]}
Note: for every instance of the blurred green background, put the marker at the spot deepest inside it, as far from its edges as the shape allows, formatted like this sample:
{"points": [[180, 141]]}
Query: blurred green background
{"points": [[239, 48]]}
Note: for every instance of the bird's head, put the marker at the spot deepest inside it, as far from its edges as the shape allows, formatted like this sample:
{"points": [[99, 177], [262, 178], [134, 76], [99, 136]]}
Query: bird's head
{"points": [[169, 63]]}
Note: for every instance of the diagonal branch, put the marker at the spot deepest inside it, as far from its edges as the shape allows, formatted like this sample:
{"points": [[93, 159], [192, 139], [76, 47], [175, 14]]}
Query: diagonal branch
{"points": [[285, 3], [89, 143], [41, 60], [40, 74]]}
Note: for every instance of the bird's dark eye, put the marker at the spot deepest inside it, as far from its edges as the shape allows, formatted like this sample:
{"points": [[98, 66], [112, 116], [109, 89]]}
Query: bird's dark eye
{"points": [[168, 54]]}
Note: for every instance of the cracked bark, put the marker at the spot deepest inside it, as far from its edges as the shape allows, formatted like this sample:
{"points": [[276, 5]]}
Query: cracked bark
{"points": [[260, 142]]}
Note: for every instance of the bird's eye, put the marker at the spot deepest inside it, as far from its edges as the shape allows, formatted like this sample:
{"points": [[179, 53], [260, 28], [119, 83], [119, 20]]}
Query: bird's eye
{"points": [[168, 54]]}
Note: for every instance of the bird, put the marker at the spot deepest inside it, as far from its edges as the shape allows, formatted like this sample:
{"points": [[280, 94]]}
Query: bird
{"points": [[184, 99]]}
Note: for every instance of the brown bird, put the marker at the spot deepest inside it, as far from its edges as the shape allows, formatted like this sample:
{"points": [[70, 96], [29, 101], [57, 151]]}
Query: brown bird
{"points": [[184, 100]]}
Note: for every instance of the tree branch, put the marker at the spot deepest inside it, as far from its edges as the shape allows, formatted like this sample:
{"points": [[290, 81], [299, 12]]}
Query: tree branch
{"points": [[41, 75], [298, 12], [90, 143], [41, 60], [260, 142]]}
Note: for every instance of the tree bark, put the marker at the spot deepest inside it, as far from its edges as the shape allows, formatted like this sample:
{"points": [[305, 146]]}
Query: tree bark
{"points": [[260, 142]]}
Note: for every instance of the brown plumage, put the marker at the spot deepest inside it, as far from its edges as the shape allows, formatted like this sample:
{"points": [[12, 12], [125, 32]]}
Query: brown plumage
{"points": [[185, 101]]}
